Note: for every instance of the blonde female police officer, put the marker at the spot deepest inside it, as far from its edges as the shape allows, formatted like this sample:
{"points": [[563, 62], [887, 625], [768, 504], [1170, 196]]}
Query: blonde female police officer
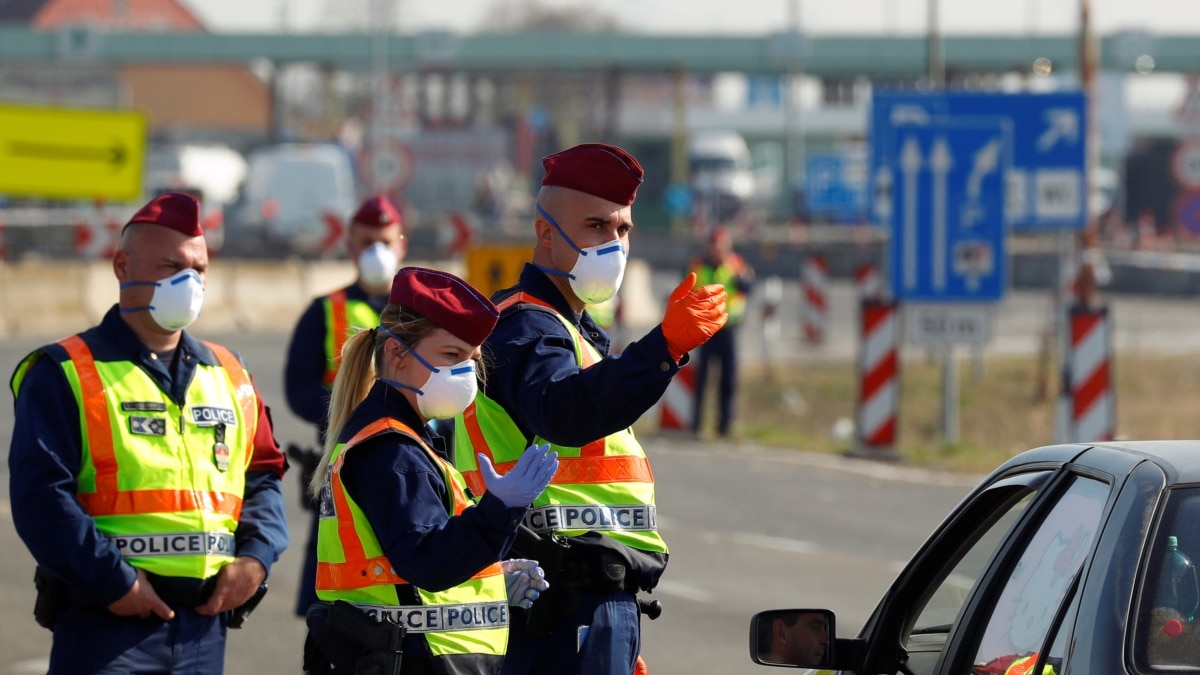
{"points": [[400, 538]]}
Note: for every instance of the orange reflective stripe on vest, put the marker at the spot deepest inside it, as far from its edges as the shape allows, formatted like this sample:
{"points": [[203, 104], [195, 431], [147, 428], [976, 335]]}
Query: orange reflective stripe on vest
{"points": [[109, 499], [582, 469], [359, 571], [241, 382], [340, 328], [589, 358], [96, 414]]}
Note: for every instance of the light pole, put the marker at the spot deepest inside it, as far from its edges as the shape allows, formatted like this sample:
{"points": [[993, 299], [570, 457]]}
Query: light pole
{"points": [[793, 131]]}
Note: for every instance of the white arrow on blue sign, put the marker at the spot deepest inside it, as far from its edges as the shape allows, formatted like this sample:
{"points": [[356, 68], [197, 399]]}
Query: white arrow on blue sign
{"points": [[948, 235], [1044, 186]]}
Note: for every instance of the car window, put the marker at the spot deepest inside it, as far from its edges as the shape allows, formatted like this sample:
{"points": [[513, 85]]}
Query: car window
{"points": [[1019, 622], [978, 533], [947, 599], [1167, 629]]}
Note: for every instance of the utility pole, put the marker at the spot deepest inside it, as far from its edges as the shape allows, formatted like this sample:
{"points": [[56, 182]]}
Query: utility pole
{"points": [[792, 129], [937, 63], [380, 16], [1067, 259]]}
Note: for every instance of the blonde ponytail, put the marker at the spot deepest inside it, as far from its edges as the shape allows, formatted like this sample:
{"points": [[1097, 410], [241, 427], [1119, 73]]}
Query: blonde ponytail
{"points": [[355, 376], [361, 358]]}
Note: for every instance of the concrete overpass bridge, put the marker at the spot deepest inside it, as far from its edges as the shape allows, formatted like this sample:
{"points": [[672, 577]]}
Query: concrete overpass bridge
{"points": [[877, 57]]}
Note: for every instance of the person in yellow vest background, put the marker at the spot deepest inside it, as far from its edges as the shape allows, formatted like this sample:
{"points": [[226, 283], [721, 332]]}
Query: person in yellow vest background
{"points": [[720, 265], [409, 565], [145, 479], [375, 242], [552, 380]]}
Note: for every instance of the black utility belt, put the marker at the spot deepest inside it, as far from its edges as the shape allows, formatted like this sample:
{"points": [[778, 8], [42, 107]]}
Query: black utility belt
{"points": [[604, 573], [182, 591]]}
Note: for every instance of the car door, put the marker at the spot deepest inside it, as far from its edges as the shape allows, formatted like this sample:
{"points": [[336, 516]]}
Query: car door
{"points": [[996, 577]]}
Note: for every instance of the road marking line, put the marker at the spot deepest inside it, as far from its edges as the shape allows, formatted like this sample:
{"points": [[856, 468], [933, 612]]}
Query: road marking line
{"points": [[685, 591], [776, 543]]}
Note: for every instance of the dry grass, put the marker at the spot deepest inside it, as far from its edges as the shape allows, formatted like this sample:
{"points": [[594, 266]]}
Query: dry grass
{"points": [[1001, 408]]}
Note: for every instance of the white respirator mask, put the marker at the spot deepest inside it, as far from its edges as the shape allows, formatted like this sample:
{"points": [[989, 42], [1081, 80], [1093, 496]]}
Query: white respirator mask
{"points": [[176, 301], [598, 271], [377, 264], [447, 392]]}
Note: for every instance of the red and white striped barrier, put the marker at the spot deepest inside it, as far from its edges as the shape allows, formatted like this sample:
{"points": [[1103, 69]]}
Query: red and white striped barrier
{"points": [[458, 236], [96, 236], [868, 282], [335, 234], [814, 282], [878, 370], [1090, 378], [677, 405]]}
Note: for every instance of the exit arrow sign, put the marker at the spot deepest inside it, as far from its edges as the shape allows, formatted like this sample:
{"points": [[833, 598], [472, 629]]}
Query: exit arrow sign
{"points": [[63, 153]]}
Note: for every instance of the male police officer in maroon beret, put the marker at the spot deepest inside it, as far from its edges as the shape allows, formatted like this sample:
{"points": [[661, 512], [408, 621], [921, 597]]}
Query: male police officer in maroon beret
{"points": [[144, 474], [553, 381], [375, 242]]}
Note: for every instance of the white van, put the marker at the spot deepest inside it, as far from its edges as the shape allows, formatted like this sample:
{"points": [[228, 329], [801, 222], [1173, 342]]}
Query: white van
{"points": [[722, 175], [290, 192]]}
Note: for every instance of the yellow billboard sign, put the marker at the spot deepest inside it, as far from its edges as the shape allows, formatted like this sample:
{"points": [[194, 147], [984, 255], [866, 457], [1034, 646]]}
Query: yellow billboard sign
{"points": [[64, 153]]}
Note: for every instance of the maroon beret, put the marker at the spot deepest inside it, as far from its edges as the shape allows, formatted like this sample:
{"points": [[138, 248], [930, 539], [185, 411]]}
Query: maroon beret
{"points": [[601, 170], [378, 211], [174, 210], [446, 300]]}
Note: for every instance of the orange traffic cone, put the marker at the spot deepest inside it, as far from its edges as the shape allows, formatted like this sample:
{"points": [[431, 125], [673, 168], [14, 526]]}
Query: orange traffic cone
{"points": [[640, 667]]}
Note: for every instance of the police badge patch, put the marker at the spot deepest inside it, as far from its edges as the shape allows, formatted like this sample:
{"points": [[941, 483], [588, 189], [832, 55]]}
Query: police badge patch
{"points": [[211, 416], [147, 426]]}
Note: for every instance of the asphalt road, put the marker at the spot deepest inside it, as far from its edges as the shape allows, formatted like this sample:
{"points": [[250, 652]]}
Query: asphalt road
{"points": [[748, 528]]}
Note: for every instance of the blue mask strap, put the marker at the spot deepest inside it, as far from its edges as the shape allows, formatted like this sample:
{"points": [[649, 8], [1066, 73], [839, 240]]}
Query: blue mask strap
{"points": [[412, 351], [401, 385], [127, 284], [551, 270], [560, 230]]}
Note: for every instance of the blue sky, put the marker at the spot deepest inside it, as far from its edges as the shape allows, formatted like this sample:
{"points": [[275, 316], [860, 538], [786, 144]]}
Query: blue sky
{"points": [[735, 16]]}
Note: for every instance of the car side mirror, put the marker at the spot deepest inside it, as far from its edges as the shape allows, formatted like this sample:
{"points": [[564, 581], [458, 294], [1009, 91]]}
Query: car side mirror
{"points": [[800, 638]]}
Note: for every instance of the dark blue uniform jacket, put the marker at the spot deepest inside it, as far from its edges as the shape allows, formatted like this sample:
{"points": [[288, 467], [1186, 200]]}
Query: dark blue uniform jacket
{"points": [[404, 496], [46, 452]]}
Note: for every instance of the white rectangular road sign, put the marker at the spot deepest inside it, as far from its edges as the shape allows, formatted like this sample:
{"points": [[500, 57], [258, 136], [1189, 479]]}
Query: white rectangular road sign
{"points": [[934, 325]]}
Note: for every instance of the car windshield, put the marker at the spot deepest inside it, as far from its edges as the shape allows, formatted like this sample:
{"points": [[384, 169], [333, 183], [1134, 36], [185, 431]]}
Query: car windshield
{"points": [[1170, 601]]}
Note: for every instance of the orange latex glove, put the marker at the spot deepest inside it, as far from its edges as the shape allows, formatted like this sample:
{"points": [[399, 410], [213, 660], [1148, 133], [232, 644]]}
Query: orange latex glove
{"points": [[693, 316]]}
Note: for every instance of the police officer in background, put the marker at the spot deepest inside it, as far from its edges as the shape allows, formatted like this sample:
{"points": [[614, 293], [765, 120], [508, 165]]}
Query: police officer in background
{"points": [[401, 540], [553, 381], [720, 265], [145, 479], [375, 241]]}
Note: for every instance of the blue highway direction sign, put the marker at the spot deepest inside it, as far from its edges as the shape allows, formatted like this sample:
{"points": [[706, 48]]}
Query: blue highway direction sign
{"points": [[835, 185], [948, 237], [1044, 187]]}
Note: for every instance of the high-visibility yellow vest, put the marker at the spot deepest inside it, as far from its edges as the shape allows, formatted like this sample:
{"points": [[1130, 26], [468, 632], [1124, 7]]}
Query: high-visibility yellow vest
{"points": [[163, 482], [343, 316], [725, 274], [606, 485], [469, 620]]}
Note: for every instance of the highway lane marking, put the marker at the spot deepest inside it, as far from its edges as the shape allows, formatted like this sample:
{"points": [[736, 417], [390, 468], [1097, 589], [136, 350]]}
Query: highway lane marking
{"points": [[776, 543], [684, 591]]}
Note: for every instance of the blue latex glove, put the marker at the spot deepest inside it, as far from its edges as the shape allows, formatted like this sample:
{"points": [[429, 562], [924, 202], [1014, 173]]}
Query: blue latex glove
{"points": [[520, 486], [524, 580]]}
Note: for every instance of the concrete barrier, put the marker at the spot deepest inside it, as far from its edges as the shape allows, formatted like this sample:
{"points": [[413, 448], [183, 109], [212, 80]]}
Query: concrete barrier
{"points": [[51, 299]]}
